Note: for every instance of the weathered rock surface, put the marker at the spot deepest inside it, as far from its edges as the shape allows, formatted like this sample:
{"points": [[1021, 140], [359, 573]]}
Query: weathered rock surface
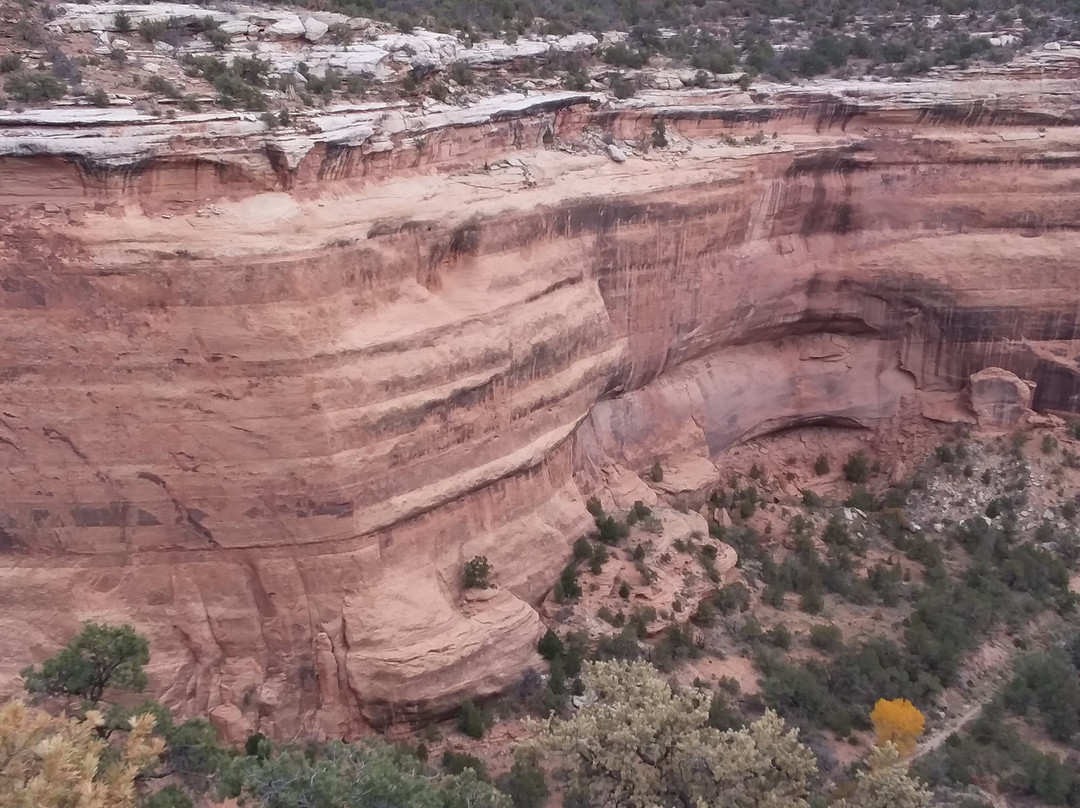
{"points": [[1000, 398], [265, 392], [275, 35]]}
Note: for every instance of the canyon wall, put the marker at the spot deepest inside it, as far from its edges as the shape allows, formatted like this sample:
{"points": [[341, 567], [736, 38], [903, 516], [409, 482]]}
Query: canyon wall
{"points": [[264, 393]]}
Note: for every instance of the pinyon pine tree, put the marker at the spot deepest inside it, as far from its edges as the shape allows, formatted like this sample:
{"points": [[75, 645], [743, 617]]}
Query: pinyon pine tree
{"points": [[98, 658], [641, 744], [48, 761], [887, 784]]}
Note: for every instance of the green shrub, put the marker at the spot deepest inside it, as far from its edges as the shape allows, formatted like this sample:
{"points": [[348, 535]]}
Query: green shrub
{"points": [[780, 636], [623, 645], [192, 749], [622, 87], [1047, 683], [476, 573], [656, 473], [462, 73], [99, 98], [122, 22], [234, 91], [457, 762], [857, 468], [659, 135], [237, 84], [675, 644], [168, 797], [525, 783], [567, 587], [750, 629], [10, 62], [61, 65], [826, 637], [325, 85], [835, 534], [812, 600], [162, 86], [219, 40], [862, 499], [624, 590], [594, 507], [340, 33], [356, 85], [550, 646], [731, 598], [153, 30], [704, 614], [582, 549], [722, 715], [33, 87], [472, 721], [620, 55], [611, 618], [368, 772], [774, 596], [258, 745], [610, 531], [598, 559], [821, 465]]}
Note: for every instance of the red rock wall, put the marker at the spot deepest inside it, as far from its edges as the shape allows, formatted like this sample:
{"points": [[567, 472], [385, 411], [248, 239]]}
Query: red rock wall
{"points": [[269, 430]]}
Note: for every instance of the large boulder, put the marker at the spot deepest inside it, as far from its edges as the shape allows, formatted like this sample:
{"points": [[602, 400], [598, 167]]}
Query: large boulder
{"points": [[230, 723], [999, 398], [314, 29], [287, 27]]}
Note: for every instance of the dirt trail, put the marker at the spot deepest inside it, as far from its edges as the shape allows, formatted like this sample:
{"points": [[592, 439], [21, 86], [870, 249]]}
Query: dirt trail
{"points": [[984, 670], [938, 737]]}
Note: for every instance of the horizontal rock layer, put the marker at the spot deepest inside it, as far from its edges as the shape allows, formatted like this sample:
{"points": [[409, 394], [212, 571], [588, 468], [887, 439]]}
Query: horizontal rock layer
{"points": [[263, 400]]}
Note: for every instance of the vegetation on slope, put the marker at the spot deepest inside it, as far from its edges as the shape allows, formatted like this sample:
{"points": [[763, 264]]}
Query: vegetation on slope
{"points": [[781, 40], [616, 718]]}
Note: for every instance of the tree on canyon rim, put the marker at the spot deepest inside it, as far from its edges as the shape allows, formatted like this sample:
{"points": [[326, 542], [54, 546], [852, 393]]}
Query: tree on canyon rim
{"points": [[100, 659], [642, 744], [369, 773], [97, 658], [49, 761], [886, 783], [107, 756]]}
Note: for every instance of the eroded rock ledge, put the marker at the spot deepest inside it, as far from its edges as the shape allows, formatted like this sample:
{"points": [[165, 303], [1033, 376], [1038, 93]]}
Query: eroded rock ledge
{"points": [[263, 393]]}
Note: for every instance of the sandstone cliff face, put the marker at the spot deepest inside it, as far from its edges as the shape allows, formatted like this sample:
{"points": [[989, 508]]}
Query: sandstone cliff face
{"points": [[263, 396]]}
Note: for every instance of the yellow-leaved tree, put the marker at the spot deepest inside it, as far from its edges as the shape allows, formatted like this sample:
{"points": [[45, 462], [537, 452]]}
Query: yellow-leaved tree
{"points": [[899, 722], [49, 761]]}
